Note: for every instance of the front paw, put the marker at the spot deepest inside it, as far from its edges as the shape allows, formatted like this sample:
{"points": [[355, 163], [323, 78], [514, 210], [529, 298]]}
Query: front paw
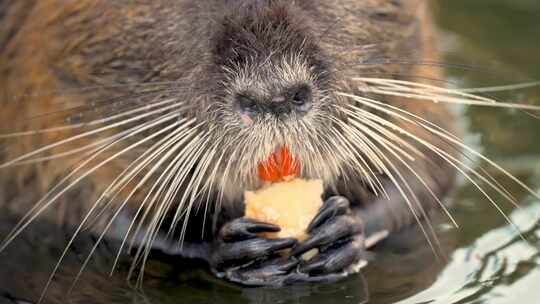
{"points": [[241, 255], [337, 233]]}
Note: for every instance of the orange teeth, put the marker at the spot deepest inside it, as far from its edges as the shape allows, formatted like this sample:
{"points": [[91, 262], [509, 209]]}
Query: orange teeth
{"points": [[280, 166]]}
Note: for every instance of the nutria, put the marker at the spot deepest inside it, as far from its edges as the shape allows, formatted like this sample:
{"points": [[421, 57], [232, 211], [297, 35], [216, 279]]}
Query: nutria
{"points": [[147, 119]]}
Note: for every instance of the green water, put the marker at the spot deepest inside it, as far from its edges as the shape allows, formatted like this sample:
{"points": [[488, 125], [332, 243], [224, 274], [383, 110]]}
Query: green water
{"points": [[488, 260]]}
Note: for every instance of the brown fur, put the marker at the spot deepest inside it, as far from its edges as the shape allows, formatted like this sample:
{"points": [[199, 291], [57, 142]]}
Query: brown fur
{"points": [[61, 45]]}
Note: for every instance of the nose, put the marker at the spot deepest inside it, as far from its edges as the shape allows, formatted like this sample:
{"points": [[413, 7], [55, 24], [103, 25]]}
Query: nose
{"points": [[298, 98]]}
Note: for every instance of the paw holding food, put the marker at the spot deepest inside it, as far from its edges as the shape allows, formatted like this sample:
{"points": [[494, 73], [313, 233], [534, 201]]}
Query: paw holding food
{"points": [[286, 200], [330, 235], [288, 234], [291, 205]]}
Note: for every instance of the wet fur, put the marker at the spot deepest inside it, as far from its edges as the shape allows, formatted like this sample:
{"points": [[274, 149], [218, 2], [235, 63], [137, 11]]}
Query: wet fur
{"points": [[182, 50]]}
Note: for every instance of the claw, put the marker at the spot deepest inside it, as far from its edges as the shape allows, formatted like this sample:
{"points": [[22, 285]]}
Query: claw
{"points": [[335, 259], [333, 231], [337, 233], [243, 256], [256, 248], [243, 229], [334, 206]]}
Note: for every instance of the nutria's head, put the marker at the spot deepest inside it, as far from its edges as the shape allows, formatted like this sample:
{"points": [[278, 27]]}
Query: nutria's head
{"points": [[269, 74], [271, 86], [197, 93]]}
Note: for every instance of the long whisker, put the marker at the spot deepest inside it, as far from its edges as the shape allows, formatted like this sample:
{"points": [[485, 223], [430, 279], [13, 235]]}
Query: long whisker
{"points": [[86, 134], [133, 169], [119, 210], [104, 120], [28, 218], [368, 118], [162, 181], [391, 171], [180, 172], [502, 88], [138, 143], [150, 237], [429, 126], [194, 180], [354, 156], [390, 61], [95, 153], [176, 142], [118, 104], [208, 188], [420, 91], [77, 90], [456, 163], [360, 141]]}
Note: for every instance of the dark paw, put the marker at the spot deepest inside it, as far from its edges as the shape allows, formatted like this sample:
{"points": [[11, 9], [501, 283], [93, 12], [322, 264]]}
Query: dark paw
{"points": [[337, 233], [272, 272], [240, 255]]}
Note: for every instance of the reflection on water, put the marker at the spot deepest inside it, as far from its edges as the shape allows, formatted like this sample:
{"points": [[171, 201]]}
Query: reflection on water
{"points": [[492, 262], [499, 267], [488, 260]]}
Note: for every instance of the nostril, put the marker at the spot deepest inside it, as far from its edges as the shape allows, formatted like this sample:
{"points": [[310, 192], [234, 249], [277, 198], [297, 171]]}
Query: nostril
{"points": [[245, 102], [300, 95]]}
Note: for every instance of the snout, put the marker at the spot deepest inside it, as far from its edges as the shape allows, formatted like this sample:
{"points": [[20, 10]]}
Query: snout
{"points": [[296, 99]]}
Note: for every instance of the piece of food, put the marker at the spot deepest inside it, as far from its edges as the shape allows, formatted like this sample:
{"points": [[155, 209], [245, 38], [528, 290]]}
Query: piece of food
{"points": [[286, 200], [291, 205]]}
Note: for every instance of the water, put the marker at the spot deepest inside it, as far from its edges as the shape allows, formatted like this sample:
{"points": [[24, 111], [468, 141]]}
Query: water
{"points": [[488, 260]]}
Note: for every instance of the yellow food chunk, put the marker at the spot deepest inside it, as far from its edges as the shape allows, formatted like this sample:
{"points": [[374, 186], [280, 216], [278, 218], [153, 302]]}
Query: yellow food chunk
{"points": [[290, 204]]}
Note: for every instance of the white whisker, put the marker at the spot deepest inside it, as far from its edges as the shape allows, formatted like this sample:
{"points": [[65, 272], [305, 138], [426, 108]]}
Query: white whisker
{"points": [[86, 134], [418, 91], [52, 200], [107, 119], [456, 163], [376, 125], [28, 218]]}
